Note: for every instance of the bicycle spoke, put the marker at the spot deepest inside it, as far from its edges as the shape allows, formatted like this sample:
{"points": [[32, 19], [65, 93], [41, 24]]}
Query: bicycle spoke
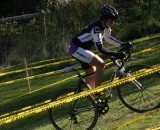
{"points": [[137, 97], [148, 83], [71, 124], [63, 121], [132, 95], [82, 120], [71, 104], [144, 101], [60, 116], [86, 119], [149, 94], [79, 110], [140, 100], [147, 98], [84, 115], [80, 126]]}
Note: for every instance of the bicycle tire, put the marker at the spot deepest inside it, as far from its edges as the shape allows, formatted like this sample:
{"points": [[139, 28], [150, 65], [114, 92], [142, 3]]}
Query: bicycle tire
{"points": [[81, 123], [141, 101]]}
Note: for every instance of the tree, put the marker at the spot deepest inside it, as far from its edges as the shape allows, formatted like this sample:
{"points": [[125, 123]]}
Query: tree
{"points": [[10, 8]]}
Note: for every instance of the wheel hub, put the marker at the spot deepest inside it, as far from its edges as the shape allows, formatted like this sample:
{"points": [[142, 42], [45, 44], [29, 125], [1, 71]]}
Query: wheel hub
{"points": [[73, 116]]}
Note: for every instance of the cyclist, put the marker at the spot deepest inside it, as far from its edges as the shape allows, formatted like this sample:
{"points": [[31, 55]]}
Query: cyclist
{"points": [[93, 34]]}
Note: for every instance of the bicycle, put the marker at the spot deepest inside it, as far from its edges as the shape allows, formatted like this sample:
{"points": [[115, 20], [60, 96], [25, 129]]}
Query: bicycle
{"points": [[139, 95]]}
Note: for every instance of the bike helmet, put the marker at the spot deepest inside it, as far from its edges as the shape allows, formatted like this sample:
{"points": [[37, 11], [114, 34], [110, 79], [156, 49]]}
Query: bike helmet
{"points": [[109, 12]]}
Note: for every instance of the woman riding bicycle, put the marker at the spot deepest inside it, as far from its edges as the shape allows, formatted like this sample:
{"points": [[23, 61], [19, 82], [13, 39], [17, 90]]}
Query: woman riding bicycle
{"points": [[93, 34]]}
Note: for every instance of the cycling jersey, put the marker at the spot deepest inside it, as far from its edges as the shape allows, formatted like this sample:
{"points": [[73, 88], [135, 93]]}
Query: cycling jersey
{"points": [[93, 34]]}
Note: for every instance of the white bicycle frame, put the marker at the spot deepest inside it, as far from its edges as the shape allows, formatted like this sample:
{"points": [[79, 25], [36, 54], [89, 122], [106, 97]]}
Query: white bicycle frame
{"points": [[117, 65]]}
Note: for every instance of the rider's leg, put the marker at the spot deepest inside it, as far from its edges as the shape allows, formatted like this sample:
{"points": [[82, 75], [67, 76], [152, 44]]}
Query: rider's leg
{"points": [[88, 59], [91, 79], [99, 64]]}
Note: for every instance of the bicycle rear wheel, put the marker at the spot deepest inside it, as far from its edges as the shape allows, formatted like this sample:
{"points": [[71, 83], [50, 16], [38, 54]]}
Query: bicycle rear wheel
{"points": [[81, 114], [141, 100]]}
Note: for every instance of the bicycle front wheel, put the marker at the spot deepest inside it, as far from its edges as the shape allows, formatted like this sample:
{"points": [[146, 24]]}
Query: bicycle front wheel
{"points": [[81, 114], [142, 99]]}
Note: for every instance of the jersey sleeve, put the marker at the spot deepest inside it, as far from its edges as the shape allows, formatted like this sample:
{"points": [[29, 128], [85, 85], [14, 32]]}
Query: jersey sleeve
{"points": [[97, 39], [108, 38]]}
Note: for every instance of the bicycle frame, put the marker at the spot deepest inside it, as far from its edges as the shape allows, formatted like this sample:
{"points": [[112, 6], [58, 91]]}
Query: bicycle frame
{"points": [[82, 78], [119, 68]]}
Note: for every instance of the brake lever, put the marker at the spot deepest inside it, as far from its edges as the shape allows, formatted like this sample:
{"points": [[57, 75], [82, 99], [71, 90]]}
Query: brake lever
{"points": [[129, 51], [113, 59], [127, 48]]}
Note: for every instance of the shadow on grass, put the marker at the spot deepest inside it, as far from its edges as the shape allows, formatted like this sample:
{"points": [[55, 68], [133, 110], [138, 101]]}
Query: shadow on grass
{"points": [[28, 123]]}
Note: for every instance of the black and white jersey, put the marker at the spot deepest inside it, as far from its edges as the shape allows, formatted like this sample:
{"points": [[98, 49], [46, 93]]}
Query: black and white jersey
{"points": [[93, 34]]}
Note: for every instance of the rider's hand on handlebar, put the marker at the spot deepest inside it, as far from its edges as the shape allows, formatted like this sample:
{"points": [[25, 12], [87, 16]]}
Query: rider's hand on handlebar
{"points": [[119, 55], [126, 44]]}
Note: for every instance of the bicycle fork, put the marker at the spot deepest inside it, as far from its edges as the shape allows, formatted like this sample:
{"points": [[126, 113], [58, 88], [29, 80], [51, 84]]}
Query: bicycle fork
{"points": [[135, 82], [123, 72]]}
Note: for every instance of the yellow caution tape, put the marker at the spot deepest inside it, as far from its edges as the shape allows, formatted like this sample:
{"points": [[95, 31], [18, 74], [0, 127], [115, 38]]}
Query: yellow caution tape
{"points": [[147, 50], [154, 128], [31, 77], [133, 41], [33, 91], [136, 119], [9, 67], [50, 85], [50, 64], [53, 59], [146, 38], [47, 86], [36, 67], [25, 108], [59, 102], [70, 60], [60, 71]]}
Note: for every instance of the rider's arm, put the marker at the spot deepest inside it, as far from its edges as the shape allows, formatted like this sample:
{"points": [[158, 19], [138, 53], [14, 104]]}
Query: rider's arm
{"points": [[108, 38], [97, 39]]}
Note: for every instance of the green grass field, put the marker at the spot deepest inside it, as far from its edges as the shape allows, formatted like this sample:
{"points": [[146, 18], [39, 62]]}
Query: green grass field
{"points": [[117, 115]]}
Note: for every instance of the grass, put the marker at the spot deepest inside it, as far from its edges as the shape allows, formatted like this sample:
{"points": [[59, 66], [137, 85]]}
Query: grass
{"points": [[117, 115]]}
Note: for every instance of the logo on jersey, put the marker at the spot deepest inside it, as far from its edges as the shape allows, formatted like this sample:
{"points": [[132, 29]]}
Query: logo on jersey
{"points": [[83, 56], [97, 30]]}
